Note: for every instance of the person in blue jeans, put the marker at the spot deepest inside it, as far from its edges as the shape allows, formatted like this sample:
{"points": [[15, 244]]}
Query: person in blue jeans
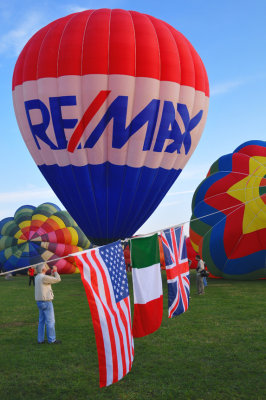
{"points": [[44, 296]]}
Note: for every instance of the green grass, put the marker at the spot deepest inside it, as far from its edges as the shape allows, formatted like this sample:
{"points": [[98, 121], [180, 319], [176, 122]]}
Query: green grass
{"points": [[216, 350]]}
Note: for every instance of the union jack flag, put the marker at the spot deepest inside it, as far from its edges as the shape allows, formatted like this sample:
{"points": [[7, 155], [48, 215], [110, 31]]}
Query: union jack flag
{"points": [[177, 270]]}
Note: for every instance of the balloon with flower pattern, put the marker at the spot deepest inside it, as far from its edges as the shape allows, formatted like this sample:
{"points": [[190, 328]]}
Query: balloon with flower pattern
{"points": [[38, 234], [228, 224]]}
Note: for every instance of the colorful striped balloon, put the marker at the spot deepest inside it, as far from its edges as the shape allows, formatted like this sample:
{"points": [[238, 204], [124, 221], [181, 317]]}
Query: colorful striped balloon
{"points": [[111, 104], [228, 224], [36, 234]]}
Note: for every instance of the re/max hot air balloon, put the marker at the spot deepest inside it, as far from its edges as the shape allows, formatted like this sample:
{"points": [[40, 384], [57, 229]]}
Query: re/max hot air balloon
{"points": [[111, 105], [228, 224], [38, 234]]}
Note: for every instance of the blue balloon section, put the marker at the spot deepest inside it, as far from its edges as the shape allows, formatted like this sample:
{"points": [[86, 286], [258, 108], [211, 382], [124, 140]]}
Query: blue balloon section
{"points": [[109, 201]]}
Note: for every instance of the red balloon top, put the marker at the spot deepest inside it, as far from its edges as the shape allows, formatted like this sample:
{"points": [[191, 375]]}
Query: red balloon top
{"points": [[108, 41]]}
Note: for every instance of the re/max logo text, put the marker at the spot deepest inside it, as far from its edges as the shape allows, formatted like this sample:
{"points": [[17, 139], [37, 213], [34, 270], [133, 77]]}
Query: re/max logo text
{"points": [[116, 112]]}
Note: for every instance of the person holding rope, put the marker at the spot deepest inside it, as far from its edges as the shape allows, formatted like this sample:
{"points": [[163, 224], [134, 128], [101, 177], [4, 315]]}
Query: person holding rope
{"points": [[44, 296]]}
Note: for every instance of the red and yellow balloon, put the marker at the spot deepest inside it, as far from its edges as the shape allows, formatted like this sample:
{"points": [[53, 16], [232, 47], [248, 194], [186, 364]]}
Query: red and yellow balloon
{"points": [[228, 224]]}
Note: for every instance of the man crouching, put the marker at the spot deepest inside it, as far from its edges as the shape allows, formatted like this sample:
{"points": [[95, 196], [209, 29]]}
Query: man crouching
{"points": [[44, 296]]}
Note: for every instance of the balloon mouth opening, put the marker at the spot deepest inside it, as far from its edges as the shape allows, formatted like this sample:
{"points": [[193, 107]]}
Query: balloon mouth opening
{"points": [[95, 242]]}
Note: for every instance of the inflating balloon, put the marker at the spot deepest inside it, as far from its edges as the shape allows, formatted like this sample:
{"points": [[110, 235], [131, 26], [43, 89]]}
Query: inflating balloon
{"points": [[162, 258], [37, 234], [191, 254], [111, 104], [228, 224]]}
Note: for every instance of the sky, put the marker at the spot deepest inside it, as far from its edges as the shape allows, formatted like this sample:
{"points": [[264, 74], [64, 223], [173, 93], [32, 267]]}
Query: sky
{"points": [[229, 36]]}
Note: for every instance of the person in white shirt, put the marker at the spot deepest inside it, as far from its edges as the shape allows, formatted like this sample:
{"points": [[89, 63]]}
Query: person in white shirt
{"points": [[44, 296], [199, 277]]}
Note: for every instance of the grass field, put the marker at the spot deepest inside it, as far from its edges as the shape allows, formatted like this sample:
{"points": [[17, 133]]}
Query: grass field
{"points": [[216, 350]]}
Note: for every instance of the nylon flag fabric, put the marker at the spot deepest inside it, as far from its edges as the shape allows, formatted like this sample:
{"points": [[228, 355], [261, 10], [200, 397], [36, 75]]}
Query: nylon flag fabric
{"points": [[228, 222], [104, 277], [147, 285], [111, 105], [177, 270], [40, 234]]}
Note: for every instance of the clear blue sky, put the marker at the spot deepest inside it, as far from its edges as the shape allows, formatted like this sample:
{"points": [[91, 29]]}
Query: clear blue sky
{"points": [[230, 37]]}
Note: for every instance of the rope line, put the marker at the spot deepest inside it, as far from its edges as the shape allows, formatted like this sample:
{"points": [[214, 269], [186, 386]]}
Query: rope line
{"points": [[138, 236]]}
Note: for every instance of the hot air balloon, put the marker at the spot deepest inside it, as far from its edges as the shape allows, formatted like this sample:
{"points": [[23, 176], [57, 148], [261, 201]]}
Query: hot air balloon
{"points": [[191, 254], [228, 224], [127, 255], [162, 258], [111, 105], [37, 234]]}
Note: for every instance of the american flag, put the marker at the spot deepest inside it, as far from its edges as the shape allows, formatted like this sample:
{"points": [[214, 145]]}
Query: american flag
{"points": [[177, 270], [103, 272]]}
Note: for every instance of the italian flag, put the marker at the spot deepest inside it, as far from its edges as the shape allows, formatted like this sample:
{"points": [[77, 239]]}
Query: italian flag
{"points": [[147, 285]]}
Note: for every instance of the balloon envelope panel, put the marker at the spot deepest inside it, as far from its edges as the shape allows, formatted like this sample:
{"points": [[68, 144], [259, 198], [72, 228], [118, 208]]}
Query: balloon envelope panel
{"points": [[228, 224], [38, 234], [191, 254], [111, 105]]}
